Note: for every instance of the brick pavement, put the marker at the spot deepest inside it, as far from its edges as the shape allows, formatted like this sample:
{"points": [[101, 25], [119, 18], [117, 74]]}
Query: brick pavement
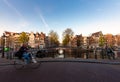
{"points": [[4, 61]]}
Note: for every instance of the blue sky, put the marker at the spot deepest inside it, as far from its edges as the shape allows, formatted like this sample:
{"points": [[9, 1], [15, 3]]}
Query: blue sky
{"points": [[82, 16]]}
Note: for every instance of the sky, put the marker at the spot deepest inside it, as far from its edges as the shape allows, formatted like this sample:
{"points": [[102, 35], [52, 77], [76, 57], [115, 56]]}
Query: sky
{"points": [[82, 16]]}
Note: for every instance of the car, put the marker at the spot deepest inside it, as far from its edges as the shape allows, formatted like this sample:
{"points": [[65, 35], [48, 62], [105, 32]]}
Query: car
{"points": [[41, 53]]}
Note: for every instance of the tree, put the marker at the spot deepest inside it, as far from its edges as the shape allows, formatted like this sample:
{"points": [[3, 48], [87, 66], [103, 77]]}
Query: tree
{"points": [[110, 39], [118, 40], [79, 40], [54, 38], [66, 40], [23, 38], [101, 40], [67, 35]]}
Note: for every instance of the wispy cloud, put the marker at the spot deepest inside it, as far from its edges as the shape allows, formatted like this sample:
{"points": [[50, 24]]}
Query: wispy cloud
{"points": [[24, 22], [13, 8], [42, 18], [108, 26], [1, 30]]}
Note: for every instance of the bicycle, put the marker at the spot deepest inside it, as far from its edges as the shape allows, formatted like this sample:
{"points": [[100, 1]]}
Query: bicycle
{"points": [[24, 62]]}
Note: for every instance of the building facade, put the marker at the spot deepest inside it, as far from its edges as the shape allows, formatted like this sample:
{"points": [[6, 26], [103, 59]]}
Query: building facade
{"points": [[40, 40], [36, 40]]}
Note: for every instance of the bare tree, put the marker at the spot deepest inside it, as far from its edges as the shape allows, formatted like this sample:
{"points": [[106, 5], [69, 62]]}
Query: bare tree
{"points": [[118, 40], [54, 38], [67, 35], [110, 39]]}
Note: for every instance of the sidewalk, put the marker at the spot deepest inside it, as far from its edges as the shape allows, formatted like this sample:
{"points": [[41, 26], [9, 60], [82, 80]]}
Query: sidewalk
{"points": [[81, 60], [4, 61]]}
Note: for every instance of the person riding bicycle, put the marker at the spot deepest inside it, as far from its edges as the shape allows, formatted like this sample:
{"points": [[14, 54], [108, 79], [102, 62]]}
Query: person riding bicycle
{"points": [[23, 50], [23, 53]]}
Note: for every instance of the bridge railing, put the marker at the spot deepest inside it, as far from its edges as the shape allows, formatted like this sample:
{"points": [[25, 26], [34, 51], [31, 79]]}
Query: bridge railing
{"points": [[67, 52]]}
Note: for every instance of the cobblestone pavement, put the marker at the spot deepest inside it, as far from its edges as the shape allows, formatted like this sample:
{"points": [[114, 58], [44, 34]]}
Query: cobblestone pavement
{"points": [[4, 61]]}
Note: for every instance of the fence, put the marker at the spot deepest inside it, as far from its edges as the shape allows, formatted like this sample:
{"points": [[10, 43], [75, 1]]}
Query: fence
{"points": [[68, 53]]}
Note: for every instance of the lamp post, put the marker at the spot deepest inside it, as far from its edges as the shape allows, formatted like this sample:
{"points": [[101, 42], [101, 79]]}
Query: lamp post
{"points": [[3, 44]]}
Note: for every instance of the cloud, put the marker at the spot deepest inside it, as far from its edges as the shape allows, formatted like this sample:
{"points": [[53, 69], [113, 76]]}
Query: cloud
{"points": [[1, 30], [106, 26], [13, 26], [111, 27], [13, 8], [24, 22], [42, 18]]}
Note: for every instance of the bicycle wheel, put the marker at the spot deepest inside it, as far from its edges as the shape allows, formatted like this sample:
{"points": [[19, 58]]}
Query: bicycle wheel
{"points": [[34, 62], [18, 63], [34, 65]]}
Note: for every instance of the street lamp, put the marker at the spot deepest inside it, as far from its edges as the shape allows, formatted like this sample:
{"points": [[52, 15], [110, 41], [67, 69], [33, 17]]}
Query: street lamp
{"points": [[3, 44]]}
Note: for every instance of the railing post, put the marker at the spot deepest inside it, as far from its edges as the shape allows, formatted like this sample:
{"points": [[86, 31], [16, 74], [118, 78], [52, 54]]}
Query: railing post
{"points": [[3, 38]]}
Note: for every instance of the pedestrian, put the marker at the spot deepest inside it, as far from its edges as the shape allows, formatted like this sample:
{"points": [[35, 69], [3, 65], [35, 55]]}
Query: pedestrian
{"points": [[110, 53], [87, 52], [102, 52], [95, 52]]}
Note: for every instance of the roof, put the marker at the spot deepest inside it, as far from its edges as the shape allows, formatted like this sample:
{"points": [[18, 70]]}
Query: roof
{"points": [[97, 34]]}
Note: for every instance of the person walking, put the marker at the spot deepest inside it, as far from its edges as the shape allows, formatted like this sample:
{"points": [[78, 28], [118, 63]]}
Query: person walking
{"points": [[110, 53], [87, 52], [95, 52], [102, 52]]}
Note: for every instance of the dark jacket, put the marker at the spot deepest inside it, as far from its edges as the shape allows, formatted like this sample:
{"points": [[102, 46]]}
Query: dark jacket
{"points": [[23, 49], [20, 52]]}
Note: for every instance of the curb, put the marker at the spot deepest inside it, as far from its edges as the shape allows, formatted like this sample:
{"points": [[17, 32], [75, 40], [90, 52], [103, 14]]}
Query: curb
{"points": [[6, 64], [70, 60], [82, 61]]}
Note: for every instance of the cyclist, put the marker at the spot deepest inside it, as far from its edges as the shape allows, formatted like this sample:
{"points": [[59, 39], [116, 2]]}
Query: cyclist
{"points": [[24, 52]]}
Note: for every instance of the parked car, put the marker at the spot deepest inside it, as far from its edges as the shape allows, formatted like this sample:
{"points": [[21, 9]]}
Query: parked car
{"points": [[41, 53]]}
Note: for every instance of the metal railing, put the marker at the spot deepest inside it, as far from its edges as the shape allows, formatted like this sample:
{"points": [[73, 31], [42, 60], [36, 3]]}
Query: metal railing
{"points": [[68, 53]]}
